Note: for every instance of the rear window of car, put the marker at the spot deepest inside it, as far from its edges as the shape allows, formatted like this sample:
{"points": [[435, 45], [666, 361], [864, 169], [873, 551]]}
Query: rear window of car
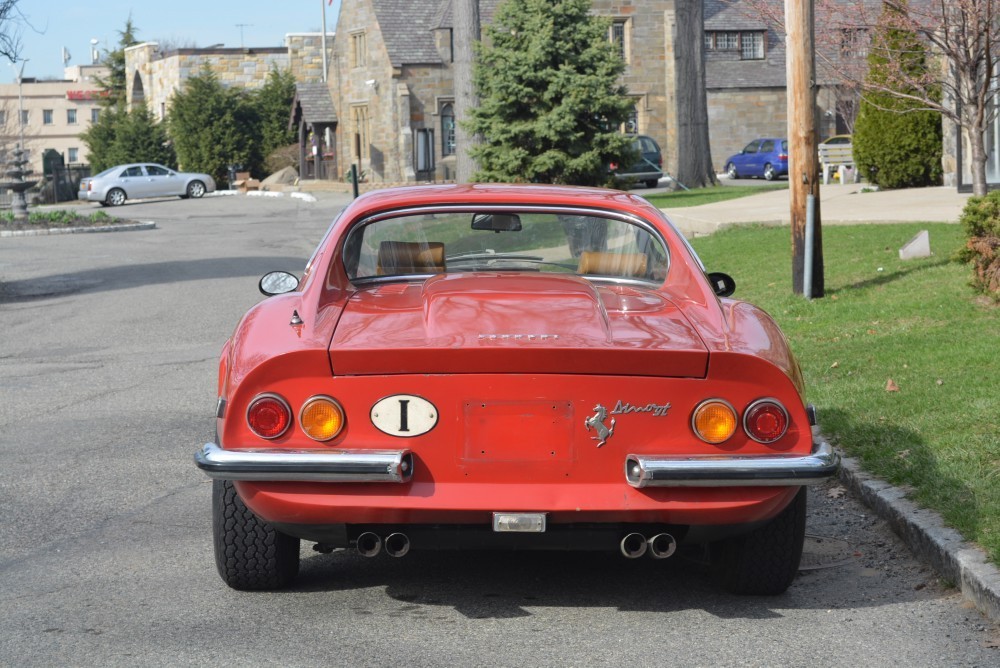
{"points": [[595, 246]]}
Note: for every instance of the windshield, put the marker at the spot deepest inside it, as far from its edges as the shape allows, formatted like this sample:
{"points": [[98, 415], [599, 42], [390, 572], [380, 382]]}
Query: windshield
{"points": [[419, 244]]}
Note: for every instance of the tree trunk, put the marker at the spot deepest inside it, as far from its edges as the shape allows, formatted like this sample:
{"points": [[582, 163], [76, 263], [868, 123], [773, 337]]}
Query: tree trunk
{"points": [[465, 17], [976, 138], [693, 153]]}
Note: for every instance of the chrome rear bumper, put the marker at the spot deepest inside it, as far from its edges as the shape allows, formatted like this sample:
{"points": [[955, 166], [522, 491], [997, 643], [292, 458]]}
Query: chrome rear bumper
{"points": [[305, 465], [733, 470]]}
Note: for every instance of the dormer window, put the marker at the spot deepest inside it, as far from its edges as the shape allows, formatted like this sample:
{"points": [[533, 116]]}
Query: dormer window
{"points": [[749, 43]]}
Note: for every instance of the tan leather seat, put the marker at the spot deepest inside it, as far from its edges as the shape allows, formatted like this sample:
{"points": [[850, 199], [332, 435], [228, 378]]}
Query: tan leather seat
{"points": [[410, 257], [612, 264]]}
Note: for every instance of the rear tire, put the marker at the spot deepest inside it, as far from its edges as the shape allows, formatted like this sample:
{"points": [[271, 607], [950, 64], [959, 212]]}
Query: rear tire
{"points": [[769, 173], [250, 554], [764, 562], [652, 183]]}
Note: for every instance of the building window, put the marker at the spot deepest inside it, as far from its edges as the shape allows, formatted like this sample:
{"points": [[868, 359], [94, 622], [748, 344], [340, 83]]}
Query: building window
{"points": [[95, 115], [74, 155], [618, 34], [24, 117], [854, 42], [359, 49], [71, 116], [448, 129], [750, 44], [46, 117], [359, 119]]}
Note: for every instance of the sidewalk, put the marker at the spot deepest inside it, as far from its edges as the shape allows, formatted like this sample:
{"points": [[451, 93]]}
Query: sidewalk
{"points": [[839, 205]]}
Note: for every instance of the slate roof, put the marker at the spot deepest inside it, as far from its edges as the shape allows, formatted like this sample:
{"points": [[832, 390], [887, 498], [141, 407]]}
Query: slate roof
{"points": [[725, 69], [313, 101], [407, 27]]}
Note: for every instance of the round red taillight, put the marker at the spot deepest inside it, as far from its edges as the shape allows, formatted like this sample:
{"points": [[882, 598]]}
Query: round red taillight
{"points": [[765, 421], [269, 416]]}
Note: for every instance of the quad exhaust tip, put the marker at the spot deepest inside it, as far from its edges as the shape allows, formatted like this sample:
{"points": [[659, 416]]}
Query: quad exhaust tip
{"points": [[397, 545], [660, 546], [634, 545], [369, 544]]}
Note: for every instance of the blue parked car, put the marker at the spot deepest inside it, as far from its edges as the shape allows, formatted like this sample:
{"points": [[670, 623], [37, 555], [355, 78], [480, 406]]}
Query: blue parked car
{"points": [[761, 157]]}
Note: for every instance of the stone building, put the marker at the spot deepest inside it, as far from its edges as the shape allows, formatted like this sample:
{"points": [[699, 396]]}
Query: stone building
{"points": [[55, 112], [392, 82], [153, 75]]}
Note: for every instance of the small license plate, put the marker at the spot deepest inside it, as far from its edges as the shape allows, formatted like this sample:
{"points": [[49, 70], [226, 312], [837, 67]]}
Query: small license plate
{"points": [[519, 522]]}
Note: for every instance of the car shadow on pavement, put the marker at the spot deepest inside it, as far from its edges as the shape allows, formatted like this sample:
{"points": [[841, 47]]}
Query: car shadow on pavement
{"points": [[873, 569], [128, 276]]}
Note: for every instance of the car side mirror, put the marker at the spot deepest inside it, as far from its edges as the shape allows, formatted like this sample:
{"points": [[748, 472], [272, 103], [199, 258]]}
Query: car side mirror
{"points": [[278, 283], [723, 285]]}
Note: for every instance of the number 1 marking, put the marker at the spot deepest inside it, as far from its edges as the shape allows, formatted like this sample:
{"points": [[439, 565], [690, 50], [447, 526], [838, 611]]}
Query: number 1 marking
{"points": [[403, 415]]}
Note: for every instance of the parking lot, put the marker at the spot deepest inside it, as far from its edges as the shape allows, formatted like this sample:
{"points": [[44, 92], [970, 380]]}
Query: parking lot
{"points": [[107, 387]]}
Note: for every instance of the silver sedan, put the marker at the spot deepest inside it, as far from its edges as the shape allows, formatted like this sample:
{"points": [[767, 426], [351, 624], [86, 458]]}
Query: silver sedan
{"points": [[135, 181]]}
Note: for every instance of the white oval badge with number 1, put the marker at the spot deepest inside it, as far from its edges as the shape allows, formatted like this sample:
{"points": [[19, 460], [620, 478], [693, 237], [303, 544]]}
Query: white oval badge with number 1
{"points": [[404, 415]]}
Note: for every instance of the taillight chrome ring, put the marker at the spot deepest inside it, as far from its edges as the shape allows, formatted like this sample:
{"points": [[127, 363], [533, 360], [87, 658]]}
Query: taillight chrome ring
{"points": [[268, 396], [751, 412]]}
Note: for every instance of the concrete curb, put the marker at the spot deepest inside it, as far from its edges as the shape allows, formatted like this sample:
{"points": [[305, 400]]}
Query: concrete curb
{"points": [[130, 227], [924, 532]]}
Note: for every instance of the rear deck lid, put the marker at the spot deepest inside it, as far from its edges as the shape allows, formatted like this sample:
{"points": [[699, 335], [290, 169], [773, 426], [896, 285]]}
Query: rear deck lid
{"points": [[514, 323]]}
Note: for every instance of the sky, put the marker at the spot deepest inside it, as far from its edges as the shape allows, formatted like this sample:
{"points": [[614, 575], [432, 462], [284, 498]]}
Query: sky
{"points": [[49, 25]]}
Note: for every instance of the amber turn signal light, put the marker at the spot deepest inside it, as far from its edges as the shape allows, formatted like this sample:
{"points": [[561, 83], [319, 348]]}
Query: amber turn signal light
{"points": [[322, 418], [714, 421]]}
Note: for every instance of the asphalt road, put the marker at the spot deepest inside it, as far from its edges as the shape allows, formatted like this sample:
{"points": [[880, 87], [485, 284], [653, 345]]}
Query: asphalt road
{"points": [[108, 354]]}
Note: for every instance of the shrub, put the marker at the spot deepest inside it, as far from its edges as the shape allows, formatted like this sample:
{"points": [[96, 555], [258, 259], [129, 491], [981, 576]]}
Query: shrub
{"points": [[897, 142], [279, 158], [981, 222]]}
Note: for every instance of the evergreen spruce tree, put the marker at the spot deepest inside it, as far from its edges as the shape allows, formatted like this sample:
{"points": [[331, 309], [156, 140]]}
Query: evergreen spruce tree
{"points": [[273, 102], [213, 127], [550, 99], [100, 136], [897, 142], [139, 138]]}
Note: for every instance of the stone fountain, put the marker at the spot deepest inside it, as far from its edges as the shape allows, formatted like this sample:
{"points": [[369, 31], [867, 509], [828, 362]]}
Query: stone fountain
{"points": [[15, 183]]}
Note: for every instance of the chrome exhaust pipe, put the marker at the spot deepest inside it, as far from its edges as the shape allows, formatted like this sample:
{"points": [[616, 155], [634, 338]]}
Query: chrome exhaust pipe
{"points": [[369, 544], [397, 544], [634, 545], [662, 545]]}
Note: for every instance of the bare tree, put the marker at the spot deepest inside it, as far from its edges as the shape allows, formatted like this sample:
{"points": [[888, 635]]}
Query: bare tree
{"points": [[11, 22], [964, 34], [465, 16]]}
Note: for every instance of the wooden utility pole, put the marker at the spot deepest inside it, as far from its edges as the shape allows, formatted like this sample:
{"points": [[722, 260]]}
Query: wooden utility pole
{"points": [[803, 162], [465, 34]]}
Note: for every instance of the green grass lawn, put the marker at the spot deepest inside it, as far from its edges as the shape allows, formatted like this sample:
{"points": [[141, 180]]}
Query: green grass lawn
{"points": [[698, 196], [916, 323]]}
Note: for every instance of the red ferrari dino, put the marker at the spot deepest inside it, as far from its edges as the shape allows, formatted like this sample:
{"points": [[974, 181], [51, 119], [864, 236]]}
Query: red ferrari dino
{"points": [[494, 366]]}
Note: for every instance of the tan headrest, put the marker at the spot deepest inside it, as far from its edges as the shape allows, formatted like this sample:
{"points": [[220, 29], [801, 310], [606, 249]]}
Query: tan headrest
{"points": [[410, 257], [612, 264]]}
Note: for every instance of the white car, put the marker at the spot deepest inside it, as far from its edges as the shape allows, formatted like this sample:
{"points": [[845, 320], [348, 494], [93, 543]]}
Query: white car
{"points": [[123, 182]]}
